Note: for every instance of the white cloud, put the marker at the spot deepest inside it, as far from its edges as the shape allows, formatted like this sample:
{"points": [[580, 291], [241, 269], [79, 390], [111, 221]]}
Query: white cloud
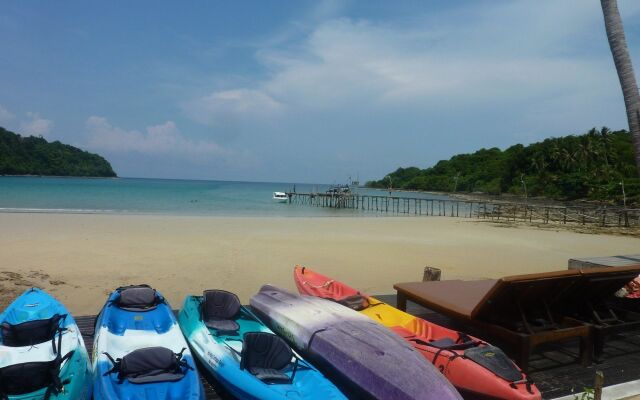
{"points": [[163, 139], [232, 103], [5, 115], [36, 125], [513, 52]]}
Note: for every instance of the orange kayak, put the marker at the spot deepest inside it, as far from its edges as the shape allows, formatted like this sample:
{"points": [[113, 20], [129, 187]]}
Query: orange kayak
{"points": [[473, 366]]}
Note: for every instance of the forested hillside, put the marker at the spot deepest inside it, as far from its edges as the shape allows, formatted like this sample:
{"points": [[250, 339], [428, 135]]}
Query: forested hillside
{"points": [[35, 156], [588, 166]]}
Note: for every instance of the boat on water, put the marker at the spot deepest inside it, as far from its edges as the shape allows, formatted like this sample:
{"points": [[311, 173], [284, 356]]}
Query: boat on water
{"points": [[473, 366], [231, 344], [280, 197], [42, 354], [139, 351], [364, 358]]}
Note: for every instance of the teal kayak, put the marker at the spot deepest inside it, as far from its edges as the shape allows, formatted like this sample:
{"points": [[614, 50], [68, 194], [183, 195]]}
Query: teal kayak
{"points": [[42, 354], [230, 342]]}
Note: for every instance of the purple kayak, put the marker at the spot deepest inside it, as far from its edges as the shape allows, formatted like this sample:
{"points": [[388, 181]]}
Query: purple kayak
{"points": [[370, 359]]}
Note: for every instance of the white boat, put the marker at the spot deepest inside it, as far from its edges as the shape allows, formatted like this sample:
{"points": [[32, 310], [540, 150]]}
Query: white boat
{"points": [[280, 197]]}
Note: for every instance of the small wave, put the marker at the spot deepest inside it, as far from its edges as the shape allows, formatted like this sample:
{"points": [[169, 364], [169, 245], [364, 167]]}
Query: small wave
{"points": [[56, 210]]}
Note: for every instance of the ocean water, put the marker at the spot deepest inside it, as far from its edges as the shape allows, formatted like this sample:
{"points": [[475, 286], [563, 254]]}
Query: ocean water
{"points": [[164, 197]]}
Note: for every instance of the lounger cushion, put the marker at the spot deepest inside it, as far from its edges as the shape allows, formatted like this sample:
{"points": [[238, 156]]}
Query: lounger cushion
{"points": [[489, 298], [451, 297]]}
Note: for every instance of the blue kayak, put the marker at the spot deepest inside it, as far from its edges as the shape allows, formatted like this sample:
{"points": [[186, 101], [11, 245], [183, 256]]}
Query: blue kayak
{"points": [[245, 356], [139, 351], [42, 354]]}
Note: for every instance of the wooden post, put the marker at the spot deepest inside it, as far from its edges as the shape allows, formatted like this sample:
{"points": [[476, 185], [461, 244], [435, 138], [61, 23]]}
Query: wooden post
{"points": [[597, 385], [401, 301], [431, 274], [626, 219]]}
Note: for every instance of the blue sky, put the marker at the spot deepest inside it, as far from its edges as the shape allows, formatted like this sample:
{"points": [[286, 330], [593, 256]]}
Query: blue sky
{"points": [[304, 91]]}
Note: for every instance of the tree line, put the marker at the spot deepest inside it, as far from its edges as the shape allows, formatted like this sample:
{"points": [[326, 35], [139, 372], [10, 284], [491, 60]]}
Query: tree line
{"points": [[30, 155], [597, 165]]}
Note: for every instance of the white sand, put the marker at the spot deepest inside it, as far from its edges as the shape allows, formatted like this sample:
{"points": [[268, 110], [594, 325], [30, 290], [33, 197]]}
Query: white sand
{"points": [[92, 254]]}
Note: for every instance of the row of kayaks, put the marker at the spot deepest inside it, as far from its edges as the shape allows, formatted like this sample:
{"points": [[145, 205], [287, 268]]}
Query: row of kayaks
{"points": [[330, 342]]}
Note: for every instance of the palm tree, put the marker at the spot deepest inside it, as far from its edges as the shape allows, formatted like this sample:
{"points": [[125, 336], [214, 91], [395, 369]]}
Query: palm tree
{"points": [[620, 52], [606, 144]]}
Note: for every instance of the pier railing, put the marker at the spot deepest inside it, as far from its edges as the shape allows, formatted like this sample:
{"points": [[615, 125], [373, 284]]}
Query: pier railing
{"points": [[604, 216]]}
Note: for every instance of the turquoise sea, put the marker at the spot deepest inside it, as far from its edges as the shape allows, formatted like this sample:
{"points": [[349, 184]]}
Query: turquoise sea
{"points": [[163, 196]]}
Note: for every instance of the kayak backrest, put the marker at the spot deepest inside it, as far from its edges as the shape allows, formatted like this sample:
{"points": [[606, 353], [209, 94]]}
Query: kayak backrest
{"points": [[265, 355], [219, 305], [137, 298], [30, 332], [28, 377], [150, 365]]}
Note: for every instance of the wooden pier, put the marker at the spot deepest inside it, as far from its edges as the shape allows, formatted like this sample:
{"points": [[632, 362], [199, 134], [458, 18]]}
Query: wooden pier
{"points": [[603, 216]]}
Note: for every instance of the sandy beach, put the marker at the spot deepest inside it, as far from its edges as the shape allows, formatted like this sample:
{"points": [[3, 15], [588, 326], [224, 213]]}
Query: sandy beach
{"points": [[81, 258]]}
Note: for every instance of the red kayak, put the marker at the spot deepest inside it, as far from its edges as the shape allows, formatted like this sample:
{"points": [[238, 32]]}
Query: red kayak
{"points": [[473, 366]]}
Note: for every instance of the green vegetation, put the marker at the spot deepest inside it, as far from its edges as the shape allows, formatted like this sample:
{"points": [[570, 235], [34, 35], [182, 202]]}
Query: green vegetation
{"points": [[589, 166], [35, 156]]}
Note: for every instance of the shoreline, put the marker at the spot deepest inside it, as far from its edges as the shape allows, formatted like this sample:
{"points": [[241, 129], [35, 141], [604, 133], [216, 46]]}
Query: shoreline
{"points": [[80, 258]]}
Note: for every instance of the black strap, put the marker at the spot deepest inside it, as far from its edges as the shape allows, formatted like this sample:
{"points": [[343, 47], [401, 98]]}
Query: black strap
{"points": [[456, 346], [182, 362], [116, 366]]}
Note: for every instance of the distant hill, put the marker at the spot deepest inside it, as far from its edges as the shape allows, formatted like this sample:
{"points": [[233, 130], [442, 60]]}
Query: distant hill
{"points": [[588, 166], [35, 156]]}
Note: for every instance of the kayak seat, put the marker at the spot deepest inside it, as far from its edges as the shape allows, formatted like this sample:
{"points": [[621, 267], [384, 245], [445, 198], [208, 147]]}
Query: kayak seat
{"points": [[264, 355], [442, 343], [137, 298], [269, 375], [31, 332], [450, 344], [355, 302], [19, 379], [219, 310], [150, 365], [494, 359]]}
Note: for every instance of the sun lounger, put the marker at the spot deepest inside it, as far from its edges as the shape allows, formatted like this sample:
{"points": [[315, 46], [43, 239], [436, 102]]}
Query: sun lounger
{"points": [[591, 300], [518, 310]]}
